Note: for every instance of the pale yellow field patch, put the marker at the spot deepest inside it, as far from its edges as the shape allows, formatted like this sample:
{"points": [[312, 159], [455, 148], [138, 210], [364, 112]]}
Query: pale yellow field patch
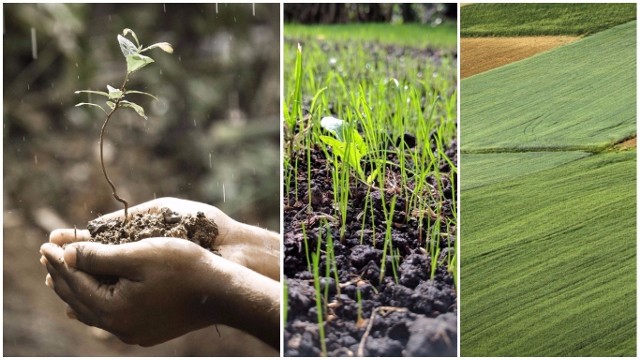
{"points": [[481, 54]]}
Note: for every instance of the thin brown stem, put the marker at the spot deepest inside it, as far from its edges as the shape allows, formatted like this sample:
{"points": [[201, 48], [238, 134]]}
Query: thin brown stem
{"points": [[104, 170]]}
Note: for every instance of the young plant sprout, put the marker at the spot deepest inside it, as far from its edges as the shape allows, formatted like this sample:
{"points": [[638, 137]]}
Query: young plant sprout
{"points": [[116, 96]]}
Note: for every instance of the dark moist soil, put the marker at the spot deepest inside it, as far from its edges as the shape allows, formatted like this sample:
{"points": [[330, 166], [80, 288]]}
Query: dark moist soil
{"points": [[417, 316], [198, 229]]}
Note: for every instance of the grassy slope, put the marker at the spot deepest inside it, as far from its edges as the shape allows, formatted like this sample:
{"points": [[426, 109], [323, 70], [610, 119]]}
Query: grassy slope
{"points": [[443, 36], [528, 104], [548, 261], [542, 19], [548, 251], [508, 166]]}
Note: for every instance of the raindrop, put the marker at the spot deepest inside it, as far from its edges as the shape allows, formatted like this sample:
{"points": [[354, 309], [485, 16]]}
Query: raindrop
{"points": [[28, 88], [160, 71], [154, 196], [34, 44], [35, 159], [210, 167], [224, 195], [180, 58], [109, 17], [253, 5], [164, 7], [216, 8], [76, 64], [194, 123]]}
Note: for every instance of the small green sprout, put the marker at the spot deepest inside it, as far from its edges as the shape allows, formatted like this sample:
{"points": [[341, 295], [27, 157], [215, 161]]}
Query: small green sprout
{"points": [[347, 144], [116, 96]]}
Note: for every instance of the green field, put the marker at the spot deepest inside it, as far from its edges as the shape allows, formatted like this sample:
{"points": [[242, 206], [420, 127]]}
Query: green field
{"points": [[542, 19], [442, 36], [528, 106], [508, 166], [548, 261], [548, 209]]}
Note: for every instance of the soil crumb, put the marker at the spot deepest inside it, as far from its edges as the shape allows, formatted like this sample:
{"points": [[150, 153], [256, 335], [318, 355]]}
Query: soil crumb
{"points": [[198, 229], [481, 54]]}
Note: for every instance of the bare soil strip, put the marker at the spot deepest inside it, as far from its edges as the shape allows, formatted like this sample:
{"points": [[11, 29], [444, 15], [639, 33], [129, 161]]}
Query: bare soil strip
{"points": [[627, 144], [481, 54]]}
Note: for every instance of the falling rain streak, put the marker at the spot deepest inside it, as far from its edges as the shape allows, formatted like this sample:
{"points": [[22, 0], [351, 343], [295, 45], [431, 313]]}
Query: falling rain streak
{"points": [[216, 8], [164, 7], [34, 44], [224, 194], [253, 6], [210, 167]]}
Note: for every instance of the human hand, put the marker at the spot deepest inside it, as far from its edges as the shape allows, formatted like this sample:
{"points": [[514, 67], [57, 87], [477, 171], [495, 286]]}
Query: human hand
{"points": [[166, 287], [250, 246]]}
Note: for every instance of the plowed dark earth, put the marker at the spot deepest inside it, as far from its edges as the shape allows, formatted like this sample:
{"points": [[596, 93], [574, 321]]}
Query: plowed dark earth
{"points": [[415, 316]]}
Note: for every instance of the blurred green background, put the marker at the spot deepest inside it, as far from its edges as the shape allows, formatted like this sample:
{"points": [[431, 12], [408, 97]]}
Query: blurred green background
{"points": [[213, 137]]}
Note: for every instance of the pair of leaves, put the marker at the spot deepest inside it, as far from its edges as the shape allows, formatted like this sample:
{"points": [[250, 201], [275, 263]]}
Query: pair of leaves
{"points": [[116, 99], [133, 52], [135, 61]]}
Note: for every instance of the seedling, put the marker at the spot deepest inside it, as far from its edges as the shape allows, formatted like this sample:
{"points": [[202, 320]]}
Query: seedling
{"points": [[347, 144], [116, 96]]}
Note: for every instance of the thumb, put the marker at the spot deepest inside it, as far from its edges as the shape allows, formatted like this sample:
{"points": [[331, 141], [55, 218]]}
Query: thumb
{"points": [[100, 259]]}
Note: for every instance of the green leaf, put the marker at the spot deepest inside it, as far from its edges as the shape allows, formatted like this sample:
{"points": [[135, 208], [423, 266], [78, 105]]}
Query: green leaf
{"points": [[165, 46], [114, 93], [141, 93], [337, 145], [297, 92], [372, 177], [336, 126], [137, 62], [91, 104], [92, 92], [127, 31], [134, 106], [128, 48]]}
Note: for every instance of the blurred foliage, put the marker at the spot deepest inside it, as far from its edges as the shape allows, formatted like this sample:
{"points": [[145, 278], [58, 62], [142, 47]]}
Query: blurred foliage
{"points": [[335, 13], [212, 137]]}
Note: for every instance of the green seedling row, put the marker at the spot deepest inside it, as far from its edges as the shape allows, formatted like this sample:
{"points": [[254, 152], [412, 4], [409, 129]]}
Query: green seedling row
{"points": [[379, 98]]}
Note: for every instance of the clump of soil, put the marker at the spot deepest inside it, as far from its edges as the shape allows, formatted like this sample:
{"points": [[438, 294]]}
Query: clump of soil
{"points": [[198, 229]]}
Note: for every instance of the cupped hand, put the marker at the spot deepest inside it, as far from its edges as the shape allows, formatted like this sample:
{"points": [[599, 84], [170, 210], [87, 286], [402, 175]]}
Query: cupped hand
{"points": [[250, 246], [159, 293], [165, 288]]}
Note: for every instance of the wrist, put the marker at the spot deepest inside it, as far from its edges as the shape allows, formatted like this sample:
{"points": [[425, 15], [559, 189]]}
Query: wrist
{"points": [[244, 299], [260, 250]]}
